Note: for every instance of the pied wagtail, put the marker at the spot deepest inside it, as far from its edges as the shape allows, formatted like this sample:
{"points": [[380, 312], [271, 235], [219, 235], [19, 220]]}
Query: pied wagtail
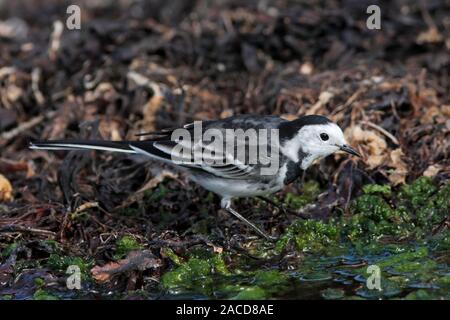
{"points": [[299, 143]]}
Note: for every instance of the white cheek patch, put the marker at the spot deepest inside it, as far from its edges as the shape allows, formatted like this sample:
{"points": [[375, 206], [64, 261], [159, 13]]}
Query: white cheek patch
{"points": [[308, 140]]}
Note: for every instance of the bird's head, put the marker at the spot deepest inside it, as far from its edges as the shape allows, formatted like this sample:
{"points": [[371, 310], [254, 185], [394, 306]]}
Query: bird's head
{"points": [[312, 137]]}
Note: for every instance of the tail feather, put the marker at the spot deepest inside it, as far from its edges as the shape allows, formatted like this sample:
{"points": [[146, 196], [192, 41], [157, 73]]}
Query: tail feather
{"points": [[145, 147], [115, 146]]}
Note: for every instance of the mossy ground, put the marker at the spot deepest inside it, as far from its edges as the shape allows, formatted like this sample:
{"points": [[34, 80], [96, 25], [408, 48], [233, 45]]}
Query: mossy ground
{"points": [[391, 230], [402, 232]]}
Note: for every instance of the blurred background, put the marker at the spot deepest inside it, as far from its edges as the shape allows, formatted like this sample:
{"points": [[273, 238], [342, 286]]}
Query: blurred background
{"points": [[143, 65]]}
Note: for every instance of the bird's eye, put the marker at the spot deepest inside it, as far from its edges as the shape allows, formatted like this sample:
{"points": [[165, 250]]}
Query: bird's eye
{"points": [[324, 136]]}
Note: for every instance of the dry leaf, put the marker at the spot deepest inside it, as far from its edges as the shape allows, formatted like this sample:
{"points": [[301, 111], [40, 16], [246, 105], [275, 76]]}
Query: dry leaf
{"points": [[432, 35], [5, 189], [395, 160], [158, 179], [135, 260], [226, 113], [306, 68], [14, 93], [152, 106], [432, 170], [288, 117], [110, 129], [373, 145], [324, 98]]}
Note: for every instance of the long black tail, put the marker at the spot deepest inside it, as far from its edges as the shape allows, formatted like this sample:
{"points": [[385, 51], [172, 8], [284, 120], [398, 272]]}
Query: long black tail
{"points": [[133, 147], [116, 146]]}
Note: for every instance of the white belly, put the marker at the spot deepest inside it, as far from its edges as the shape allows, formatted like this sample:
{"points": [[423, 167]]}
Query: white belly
{"points": [[236, 188]]}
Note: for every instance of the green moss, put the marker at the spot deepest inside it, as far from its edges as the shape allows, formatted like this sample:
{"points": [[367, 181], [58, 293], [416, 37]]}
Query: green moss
{"points": [[309, 235], [421, 295], [332, 294], [41, 294], [373, 217], [415, 210], [39, 282], [269, 278], [124, 245], [415, 266], [251, 293], [172, 256], [373, 207], [271, 281], [196, 274], [444, 281], [9, 249], [61, 263], [415, 253], [443, 242], [156, 194], [219, 264], [377, 189], [418, 192], [55, 246], [309, 191], [425, 203], [385, 227], [435, 209]]}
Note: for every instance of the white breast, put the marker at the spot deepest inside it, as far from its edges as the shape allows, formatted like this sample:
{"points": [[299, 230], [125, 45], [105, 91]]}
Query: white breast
{"points": [[241, 188]]}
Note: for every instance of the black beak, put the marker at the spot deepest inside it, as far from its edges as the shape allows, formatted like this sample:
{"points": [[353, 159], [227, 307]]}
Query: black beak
{"points": [[350, 150]]}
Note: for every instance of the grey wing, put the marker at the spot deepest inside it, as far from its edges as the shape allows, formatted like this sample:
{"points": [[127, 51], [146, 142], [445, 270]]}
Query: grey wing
{"points": [[208, 158], [213, 157]]}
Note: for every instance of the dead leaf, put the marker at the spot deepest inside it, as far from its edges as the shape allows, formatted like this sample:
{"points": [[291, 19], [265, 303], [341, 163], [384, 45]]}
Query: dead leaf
{"points": [[324, 98], [432, 170], [158, 179], [288, 117], [7, 165], [226, 113], [432, 35], [110, 129], [5, 189], [435, 114], [306, 68], [372, 144], [152, 106], [135, 260], [14, 93], [396, 161]]}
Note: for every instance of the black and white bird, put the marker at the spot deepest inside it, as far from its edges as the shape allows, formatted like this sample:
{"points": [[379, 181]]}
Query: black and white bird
{"points": [[298, 144]]}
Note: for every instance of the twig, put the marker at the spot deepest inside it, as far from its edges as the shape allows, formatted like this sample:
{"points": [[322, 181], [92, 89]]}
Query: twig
{"points": [[35, 77], [12, 228], [149, 185], [55, 39], [7, 136], [83, 207], [383, 131]]}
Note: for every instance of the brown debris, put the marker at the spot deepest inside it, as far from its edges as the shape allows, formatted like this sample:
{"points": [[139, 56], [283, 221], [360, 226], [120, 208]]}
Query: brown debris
{"points": [[135, 260], [6, 189]]}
